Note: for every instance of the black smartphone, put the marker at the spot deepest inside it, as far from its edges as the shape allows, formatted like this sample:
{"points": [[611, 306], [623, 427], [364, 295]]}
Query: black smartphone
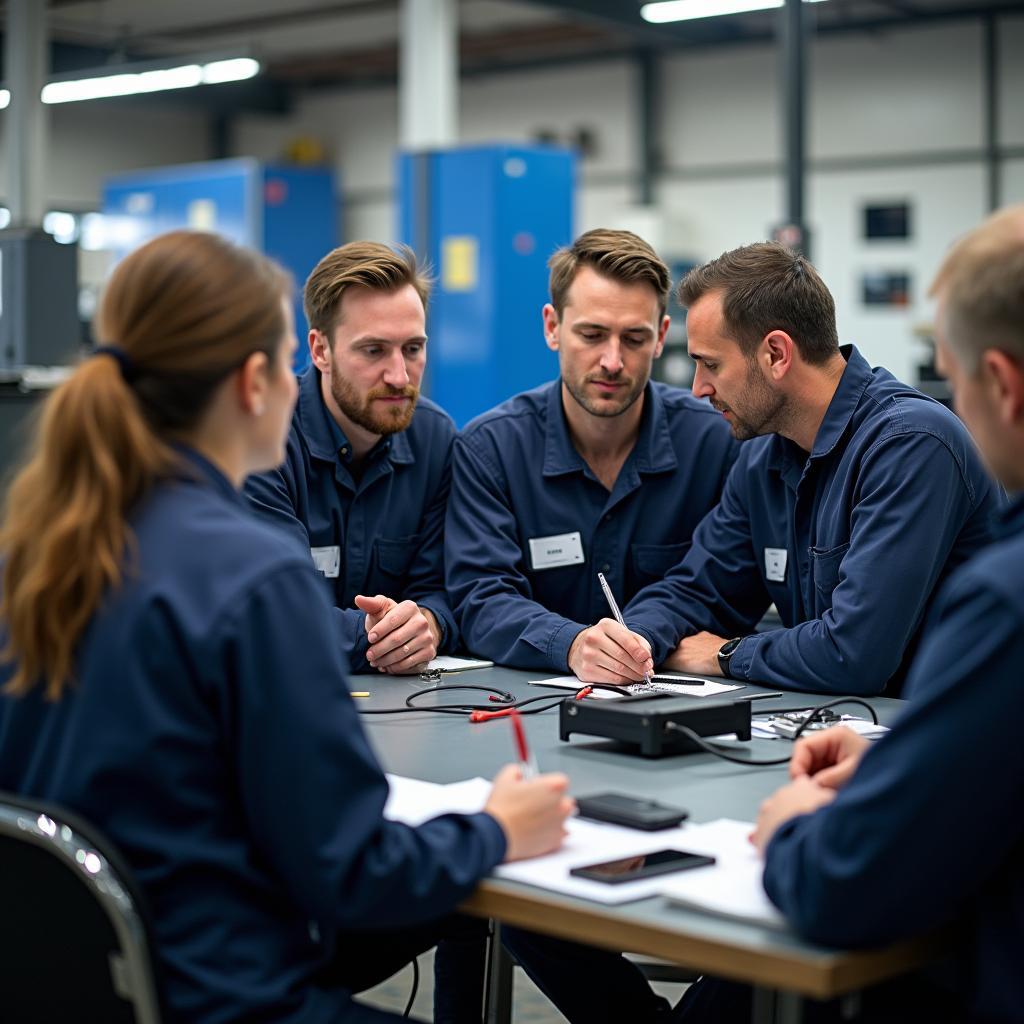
{"points": [[631, 811], [645, 865]]}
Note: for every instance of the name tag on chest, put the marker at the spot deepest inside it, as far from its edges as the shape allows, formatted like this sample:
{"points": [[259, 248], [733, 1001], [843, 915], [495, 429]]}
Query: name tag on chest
{"points": [[327, 560], [775, 564], [559, 549]]}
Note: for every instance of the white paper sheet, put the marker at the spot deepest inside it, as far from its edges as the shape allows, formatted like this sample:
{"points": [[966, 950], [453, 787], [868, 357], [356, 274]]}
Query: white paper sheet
{"points": [[731, 887], [413, 801], [707, 689]]}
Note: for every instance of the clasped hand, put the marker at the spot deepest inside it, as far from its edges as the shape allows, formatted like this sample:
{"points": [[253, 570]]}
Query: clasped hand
{"points": [[403, 636]]}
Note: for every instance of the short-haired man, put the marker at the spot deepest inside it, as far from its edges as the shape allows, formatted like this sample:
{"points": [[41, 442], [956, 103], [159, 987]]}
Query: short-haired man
{"points": [[957, 746], [599, 471], [853, 496], [367, 472]]}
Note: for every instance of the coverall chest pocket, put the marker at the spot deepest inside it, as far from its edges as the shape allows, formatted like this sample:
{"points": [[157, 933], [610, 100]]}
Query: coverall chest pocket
{"points": [[652, 561], [394, 556], [825, 571]]}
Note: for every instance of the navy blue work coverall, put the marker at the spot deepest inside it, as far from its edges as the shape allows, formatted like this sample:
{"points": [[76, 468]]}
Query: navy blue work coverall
{"points": [[210, 734], [929, 830], [517, 477], [850, 542], [385, 524]]}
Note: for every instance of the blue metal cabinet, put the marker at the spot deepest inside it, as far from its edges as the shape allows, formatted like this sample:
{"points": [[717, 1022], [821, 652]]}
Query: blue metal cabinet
{"points": [[290, 213], [487, 218]]}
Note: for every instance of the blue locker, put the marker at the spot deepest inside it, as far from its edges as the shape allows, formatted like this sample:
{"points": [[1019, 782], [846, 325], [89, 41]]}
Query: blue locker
{"points": [[290, 213], [487, 218]]}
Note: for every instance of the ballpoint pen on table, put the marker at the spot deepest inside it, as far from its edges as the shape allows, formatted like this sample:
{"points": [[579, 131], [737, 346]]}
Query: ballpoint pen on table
{"points": [[526, 761], [613, 604]]}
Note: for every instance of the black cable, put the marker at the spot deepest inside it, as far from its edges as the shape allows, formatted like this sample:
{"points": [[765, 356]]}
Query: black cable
{"points": [[415, 986], [500, 701], [767, 762]]}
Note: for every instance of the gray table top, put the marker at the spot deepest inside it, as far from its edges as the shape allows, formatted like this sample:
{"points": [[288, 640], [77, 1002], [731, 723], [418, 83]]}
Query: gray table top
{"points": [[447, 748]]}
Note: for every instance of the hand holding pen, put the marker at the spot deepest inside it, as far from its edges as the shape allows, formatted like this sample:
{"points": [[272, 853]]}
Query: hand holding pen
{"points": [[530, 808], [609, 652]]}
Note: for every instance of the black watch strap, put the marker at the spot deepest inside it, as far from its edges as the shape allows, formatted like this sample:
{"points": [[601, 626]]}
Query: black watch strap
{"points": [[725, 653]]}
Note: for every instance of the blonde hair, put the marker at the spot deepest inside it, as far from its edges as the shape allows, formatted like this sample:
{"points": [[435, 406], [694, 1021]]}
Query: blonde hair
{"points": [[370, 265], [981, 282], [619, 255], [180, 313]]}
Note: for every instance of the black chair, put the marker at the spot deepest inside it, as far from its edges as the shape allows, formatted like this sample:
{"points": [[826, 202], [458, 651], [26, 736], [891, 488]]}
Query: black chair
{"points": [[76, 941]]}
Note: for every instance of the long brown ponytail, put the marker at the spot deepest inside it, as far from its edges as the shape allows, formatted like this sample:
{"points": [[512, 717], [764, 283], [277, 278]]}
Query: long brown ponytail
{"points": [[182, 313]]}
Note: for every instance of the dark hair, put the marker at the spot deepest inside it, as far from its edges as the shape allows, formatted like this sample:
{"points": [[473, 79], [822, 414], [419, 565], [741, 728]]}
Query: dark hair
{"points": [[370, 265], [768, 287], [620, 255], [180, 313]]}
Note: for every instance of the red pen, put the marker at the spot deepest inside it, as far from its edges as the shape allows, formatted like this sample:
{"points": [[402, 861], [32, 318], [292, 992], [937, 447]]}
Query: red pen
{"points": [[526, 761]]}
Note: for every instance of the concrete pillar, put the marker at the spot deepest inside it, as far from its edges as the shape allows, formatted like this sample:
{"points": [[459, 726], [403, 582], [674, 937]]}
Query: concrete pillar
{"points": [[428, 74], [26, 58]]}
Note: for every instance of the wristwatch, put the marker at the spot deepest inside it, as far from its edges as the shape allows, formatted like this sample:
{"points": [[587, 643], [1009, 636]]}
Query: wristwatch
{"points": [[725, 653]]}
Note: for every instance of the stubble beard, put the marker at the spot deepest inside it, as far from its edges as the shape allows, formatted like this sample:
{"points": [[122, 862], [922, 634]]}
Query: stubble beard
{"points": [[605, 409]]}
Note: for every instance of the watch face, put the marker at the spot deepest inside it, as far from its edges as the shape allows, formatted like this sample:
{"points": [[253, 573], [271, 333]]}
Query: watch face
{"points": [[729, 646]]}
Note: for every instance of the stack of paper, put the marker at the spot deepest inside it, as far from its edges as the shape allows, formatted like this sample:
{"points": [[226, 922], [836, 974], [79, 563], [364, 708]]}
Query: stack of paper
{"points": [[731, 887]]}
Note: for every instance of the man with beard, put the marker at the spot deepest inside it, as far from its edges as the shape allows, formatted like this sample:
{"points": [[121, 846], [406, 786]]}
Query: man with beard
{"points": [[367, 473], [602, 471], [853, 497]]}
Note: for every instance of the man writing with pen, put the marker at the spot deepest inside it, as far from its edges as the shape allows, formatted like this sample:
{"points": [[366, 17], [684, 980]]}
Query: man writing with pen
{"points": [[852, 498], [602, 470]]}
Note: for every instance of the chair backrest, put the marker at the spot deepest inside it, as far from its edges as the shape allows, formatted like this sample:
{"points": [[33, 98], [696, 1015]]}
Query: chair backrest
{"points": [[75, 941]]}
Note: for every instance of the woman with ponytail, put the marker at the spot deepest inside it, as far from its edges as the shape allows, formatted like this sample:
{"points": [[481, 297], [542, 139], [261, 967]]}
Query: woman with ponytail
{"points": [[167, 667]]}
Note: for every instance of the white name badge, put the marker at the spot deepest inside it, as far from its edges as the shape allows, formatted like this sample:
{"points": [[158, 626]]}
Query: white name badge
{"points": [[327, 560], [775, 564], [560, 549]]}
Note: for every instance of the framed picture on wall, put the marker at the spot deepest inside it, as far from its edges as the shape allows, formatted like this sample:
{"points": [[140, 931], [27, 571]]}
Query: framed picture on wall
{"points": [[885, 288], [887, 221]]}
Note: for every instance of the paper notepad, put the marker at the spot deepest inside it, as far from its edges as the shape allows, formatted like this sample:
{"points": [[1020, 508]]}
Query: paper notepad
{"points": [[663, 683]]}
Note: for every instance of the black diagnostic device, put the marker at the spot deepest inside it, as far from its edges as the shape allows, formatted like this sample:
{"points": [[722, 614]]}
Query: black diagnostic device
{"points": [[645, 865], [633, 812], [647, 722]]}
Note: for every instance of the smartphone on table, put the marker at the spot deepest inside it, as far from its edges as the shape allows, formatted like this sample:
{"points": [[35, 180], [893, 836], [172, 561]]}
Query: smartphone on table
{"points": [[643, 865]]}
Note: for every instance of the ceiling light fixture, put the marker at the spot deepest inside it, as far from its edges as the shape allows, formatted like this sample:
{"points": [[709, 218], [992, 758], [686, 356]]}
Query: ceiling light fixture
{"points": [[664, 11], [131, 83], [135, 79]]}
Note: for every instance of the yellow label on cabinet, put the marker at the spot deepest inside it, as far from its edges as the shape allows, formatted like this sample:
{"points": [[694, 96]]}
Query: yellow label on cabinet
{"points": [[459, 263]]}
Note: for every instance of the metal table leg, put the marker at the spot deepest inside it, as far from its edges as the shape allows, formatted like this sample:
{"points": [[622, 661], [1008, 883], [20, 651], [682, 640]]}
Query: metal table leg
{"points": [[498, 998]]}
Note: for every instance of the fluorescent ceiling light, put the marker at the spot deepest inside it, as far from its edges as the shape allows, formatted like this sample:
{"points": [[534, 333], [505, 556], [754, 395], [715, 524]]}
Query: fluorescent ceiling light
{"points": [[234, 70], [148, 78], [686, 10]]}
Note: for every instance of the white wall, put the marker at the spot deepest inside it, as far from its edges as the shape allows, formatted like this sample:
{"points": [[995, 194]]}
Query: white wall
{"points": [[88, 142]]}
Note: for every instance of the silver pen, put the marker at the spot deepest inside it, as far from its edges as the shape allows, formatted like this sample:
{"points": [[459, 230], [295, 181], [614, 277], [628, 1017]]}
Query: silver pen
{"points": [[616, 614]]}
